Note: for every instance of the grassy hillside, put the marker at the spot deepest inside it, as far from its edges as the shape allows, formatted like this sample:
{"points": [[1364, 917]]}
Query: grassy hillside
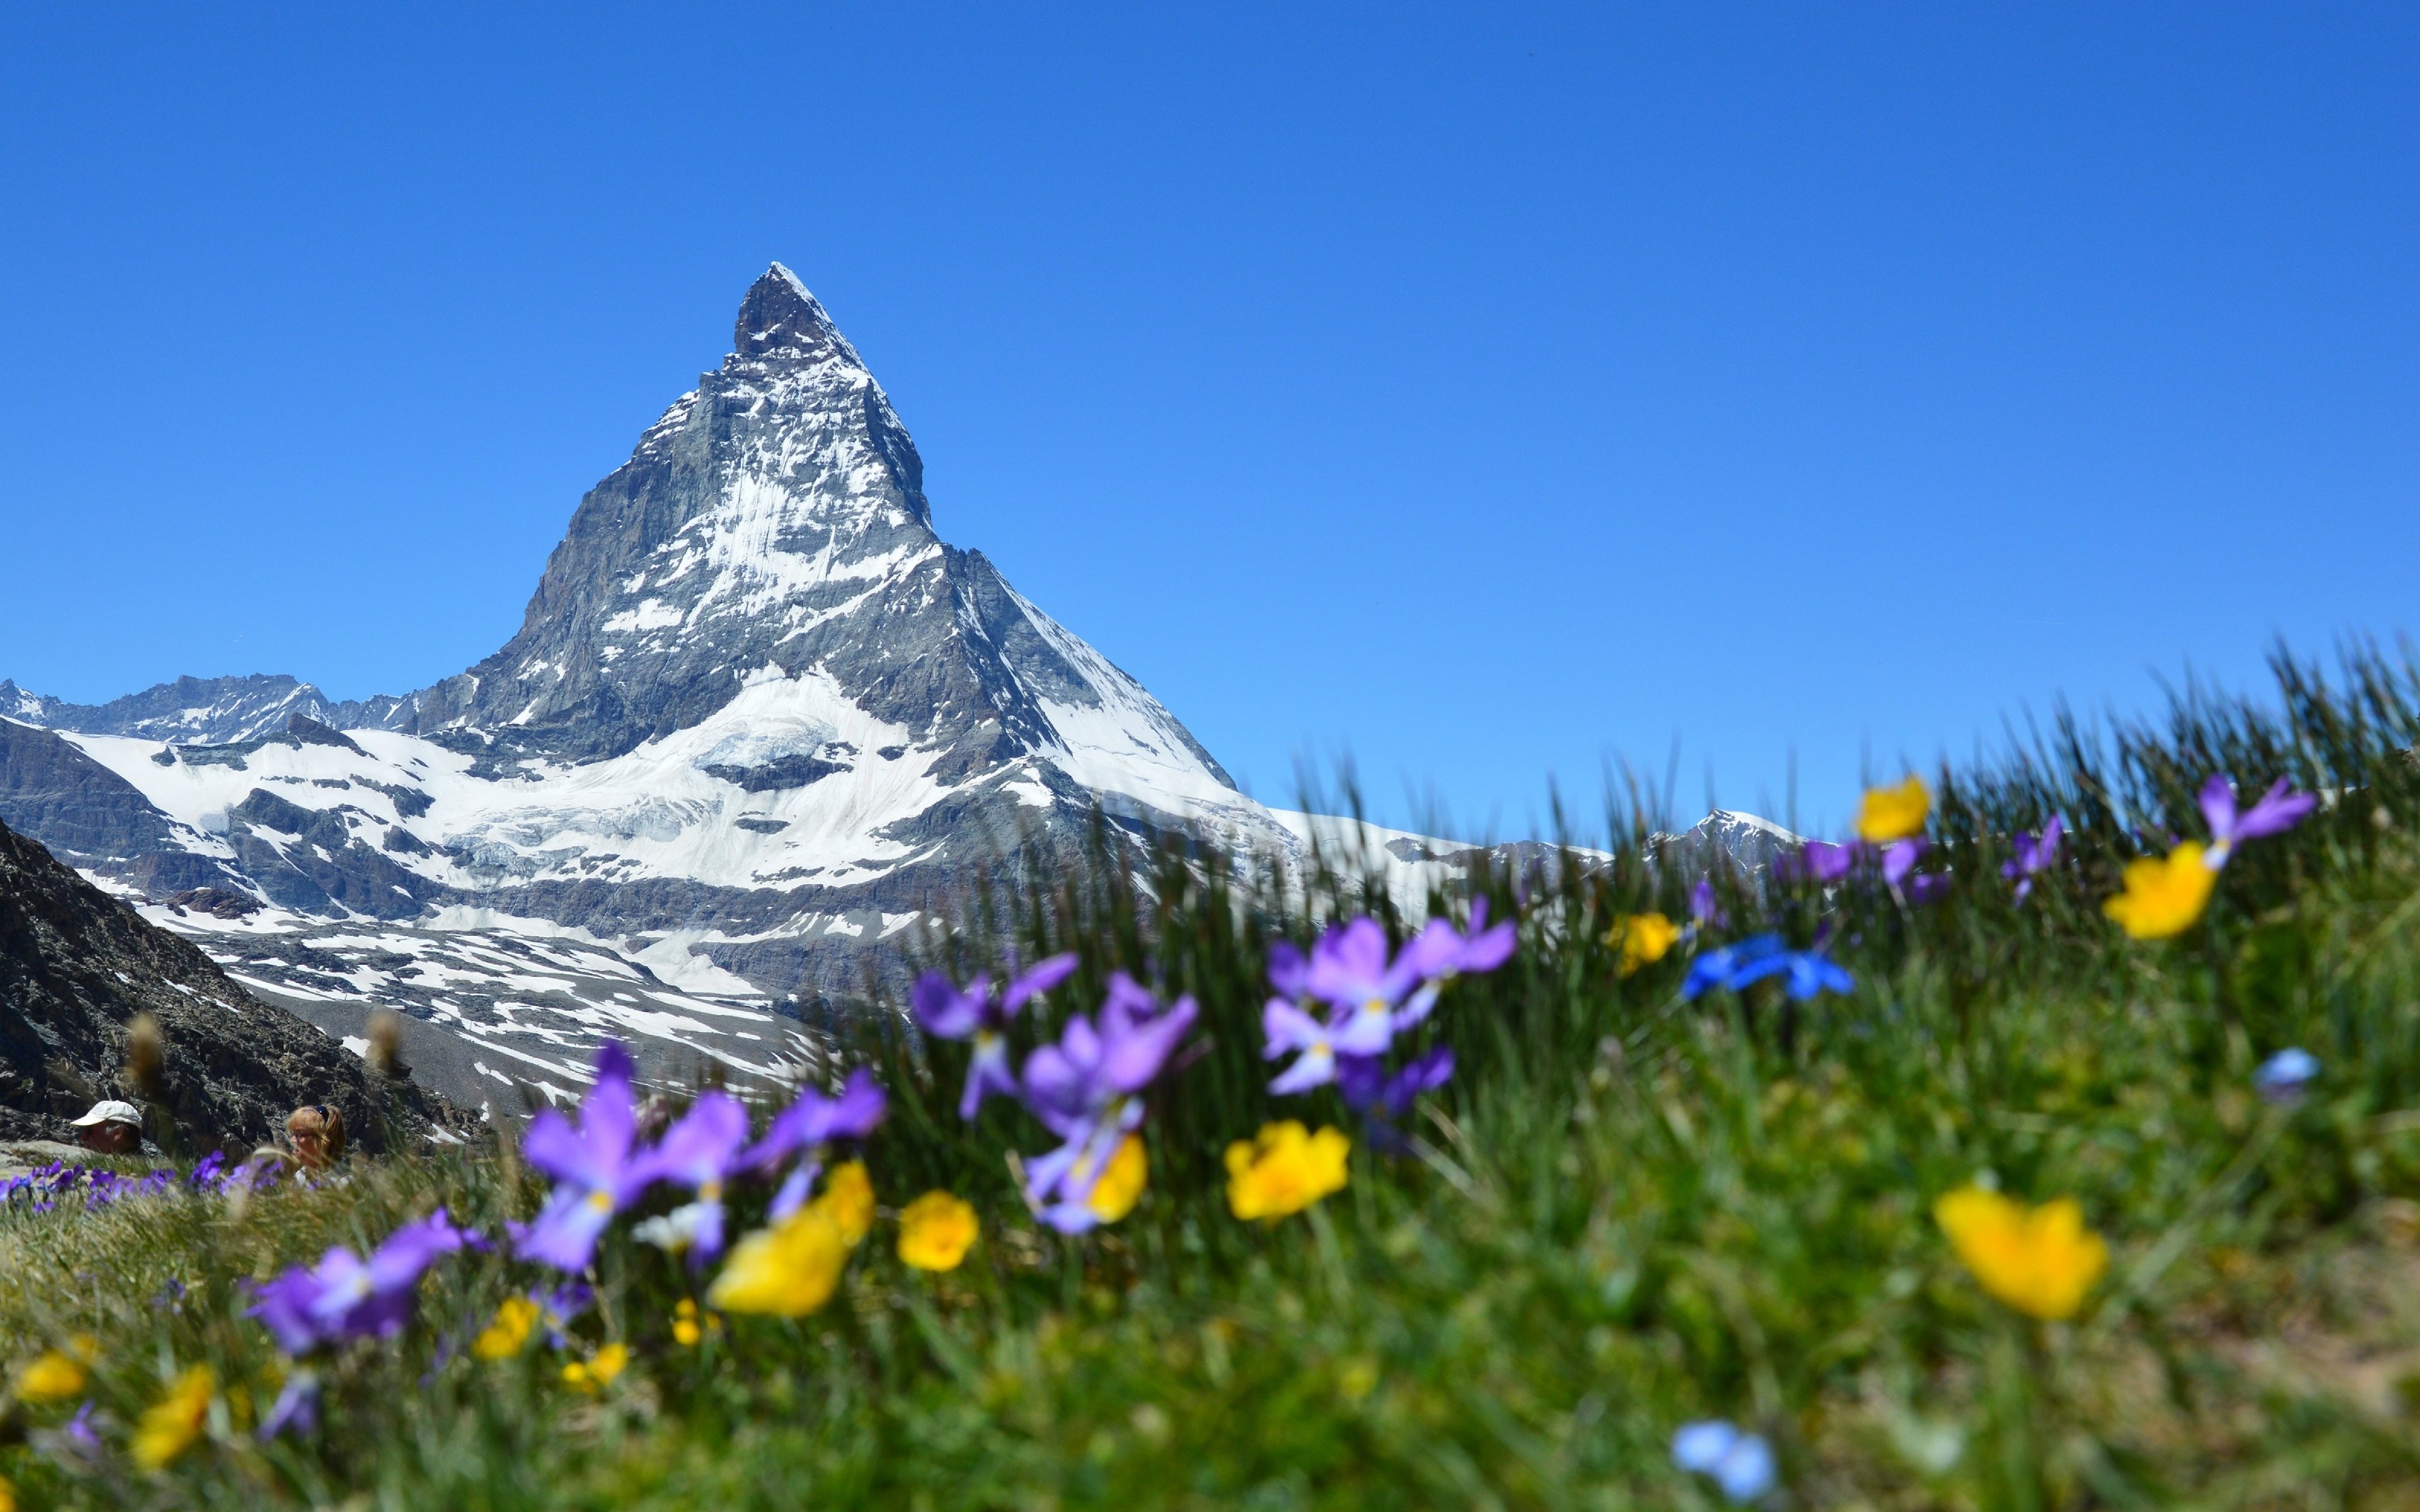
{"points": [[1628, 1211]]}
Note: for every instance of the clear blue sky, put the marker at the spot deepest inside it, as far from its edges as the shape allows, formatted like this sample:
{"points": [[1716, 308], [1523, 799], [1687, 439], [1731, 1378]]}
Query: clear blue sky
{"points": [[1485, 391]]}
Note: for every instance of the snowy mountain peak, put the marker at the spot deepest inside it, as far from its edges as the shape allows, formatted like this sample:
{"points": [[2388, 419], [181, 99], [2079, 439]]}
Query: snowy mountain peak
{"points": [[779, 319], [763, 576]]}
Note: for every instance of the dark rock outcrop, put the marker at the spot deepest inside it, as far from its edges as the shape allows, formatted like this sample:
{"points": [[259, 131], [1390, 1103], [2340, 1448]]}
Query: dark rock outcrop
{"points": [[76, 965], [51, 788]]}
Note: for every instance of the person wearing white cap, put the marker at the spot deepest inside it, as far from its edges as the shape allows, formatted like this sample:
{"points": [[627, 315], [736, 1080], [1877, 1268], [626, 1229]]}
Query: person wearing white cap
{"points": [[112, 1128]]}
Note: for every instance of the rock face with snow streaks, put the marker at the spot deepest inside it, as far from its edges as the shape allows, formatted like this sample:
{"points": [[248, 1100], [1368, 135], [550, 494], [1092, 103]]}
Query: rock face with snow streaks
{"points": [[773, 521]]}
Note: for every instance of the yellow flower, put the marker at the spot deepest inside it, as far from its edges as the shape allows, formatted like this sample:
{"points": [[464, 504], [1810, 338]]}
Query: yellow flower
{"points": [[789, 1269], [171, 1425], [8, 1497], [848, 1199], [1285, 1170], [599, 1369], [2040, 1260], [1642, 939], [1894, 813], [1122, 1180], [935, 1231], [54, 1375], [2163, 898], [504, 1339], [686, 1328]]}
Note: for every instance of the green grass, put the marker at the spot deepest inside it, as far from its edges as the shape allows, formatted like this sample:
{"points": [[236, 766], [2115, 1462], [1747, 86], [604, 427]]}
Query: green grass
{"points": [[1631, 1211]]}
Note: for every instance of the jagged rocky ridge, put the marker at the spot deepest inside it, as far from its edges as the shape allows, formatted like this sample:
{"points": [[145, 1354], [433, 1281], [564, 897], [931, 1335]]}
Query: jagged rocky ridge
{"points": [[76, 965], [758, 723]]}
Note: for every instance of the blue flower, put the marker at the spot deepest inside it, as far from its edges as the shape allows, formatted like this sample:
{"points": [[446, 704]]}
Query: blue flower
{"points": [[2284, 1076], [1739, 1463], [1734, 966]]}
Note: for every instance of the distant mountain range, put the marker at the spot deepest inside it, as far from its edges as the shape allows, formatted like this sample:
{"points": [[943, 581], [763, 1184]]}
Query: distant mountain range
{"points": [[758, 721]]}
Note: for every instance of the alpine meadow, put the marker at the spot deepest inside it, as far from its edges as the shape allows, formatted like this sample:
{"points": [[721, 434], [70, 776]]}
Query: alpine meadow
{"points": [[2052, 1140]]}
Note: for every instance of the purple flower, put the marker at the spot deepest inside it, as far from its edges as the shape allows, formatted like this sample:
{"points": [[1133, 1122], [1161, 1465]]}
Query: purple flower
{"points": [[1085, 1089], [815, 1119], [1057, 1185], [557, 1308], [792, 1194], [696, 1152], [1704, 913], [592, 1167], [1286, 1028], [1371, 998], [1899, 862], [1350, 970], [1440, 951], [1069, 1085], [1732, 967], [2278, 810], [1289, 973], [1368, 1089], [78, 1432], [297, 1407], [2034, 855], [346, 1297], [947, 1014], [1900, 857], [1821, 860]]}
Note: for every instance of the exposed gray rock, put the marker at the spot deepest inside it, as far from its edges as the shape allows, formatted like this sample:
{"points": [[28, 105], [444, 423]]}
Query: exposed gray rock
{"points": [[50, 788]]}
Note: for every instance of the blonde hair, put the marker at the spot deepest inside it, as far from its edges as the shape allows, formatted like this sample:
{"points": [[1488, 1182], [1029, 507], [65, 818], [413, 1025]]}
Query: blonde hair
{"points": [[323, 1120]]}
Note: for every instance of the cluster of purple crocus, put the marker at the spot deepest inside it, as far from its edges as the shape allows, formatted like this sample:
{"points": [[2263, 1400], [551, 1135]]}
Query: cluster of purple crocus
{"points": [[45, 1187], [1086, 1089], [600, 1169], [1370, 996]]}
